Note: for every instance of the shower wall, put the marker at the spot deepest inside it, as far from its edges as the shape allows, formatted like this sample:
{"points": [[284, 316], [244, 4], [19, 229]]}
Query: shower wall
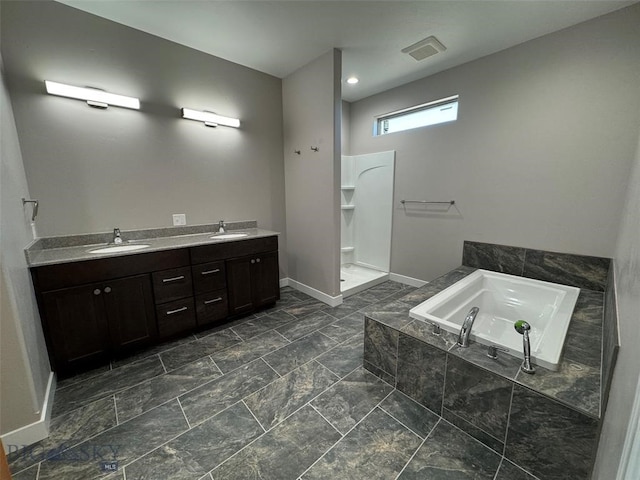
{"points": [[367, 204]]}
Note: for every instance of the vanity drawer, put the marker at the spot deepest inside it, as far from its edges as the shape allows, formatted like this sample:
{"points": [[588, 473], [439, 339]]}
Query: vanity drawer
{"points": [[211, 307], [208, 277], [176, 317], [172, 284]]}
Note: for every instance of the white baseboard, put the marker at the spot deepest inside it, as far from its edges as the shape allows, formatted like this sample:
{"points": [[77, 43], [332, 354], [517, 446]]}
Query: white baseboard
{"points": [[284, 282], [36, 431], [312, 292], [414, 282]]}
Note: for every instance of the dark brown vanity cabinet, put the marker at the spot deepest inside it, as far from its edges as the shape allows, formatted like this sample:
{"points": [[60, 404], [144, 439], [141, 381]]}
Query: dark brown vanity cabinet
{"points": [[95, 310]]}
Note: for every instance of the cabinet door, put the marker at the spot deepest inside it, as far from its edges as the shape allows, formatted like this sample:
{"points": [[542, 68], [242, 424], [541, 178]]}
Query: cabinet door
{"points": [[265, 279], [239, 285], [130, 312], [76, 327]]}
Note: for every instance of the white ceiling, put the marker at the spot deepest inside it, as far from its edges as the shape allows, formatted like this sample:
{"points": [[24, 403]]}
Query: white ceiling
{"points": [[278, 37]]}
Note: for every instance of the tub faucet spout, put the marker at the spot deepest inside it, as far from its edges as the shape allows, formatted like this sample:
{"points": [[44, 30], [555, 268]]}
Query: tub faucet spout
{"points": [[117, 239], [465, 331]]}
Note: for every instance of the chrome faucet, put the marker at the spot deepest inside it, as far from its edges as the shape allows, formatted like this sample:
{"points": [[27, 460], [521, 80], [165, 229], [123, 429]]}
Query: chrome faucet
{"points": [[116, 236], [465, 331], [523, 328], [221, 226]]}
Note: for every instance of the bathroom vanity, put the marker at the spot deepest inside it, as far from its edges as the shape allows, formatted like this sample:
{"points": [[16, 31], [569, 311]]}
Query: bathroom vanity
{"points": [[95, 309]]}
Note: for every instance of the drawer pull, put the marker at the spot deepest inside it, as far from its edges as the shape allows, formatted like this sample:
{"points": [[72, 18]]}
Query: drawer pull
{"points": [[177, 310], [215, 300], [209, 272], [107, 289], [97, 291], [257, 260], [172, 279]]}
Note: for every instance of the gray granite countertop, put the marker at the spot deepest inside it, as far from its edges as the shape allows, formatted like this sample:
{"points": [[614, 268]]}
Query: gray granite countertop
{"points": [[75, 248], [577, 381]]}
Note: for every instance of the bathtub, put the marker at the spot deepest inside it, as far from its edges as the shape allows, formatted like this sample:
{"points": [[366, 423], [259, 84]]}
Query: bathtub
{"points": [[503, 299]]}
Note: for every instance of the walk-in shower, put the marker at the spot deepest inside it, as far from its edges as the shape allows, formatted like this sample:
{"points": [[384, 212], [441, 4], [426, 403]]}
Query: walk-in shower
{"points": [[367, 205]]}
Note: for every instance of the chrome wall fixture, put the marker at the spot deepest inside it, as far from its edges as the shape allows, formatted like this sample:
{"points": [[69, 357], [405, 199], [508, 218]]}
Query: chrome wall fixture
{"points": [[210, 119], [93, 96]]}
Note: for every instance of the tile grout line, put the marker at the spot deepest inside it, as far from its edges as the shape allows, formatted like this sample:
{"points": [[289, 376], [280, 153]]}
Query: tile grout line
{"points": [[264, 430], [325, 419], [178, 435], [183, 414], [418, 449], [328, 449], [115, 408], [116, 426], [506, 432], [401, 423], [495, 476], [444, 383], [302, 406], [162, 363], [118, 390], [324, 366], [222, 374], [330, 371], [478, 428]]}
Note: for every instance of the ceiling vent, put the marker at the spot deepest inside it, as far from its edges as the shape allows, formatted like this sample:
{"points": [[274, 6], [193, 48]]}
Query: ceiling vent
{"points": [[425, 48]]}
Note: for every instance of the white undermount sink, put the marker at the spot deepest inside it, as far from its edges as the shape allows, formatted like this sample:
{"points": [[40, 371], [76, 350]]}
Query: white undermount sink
{"points": [[229, 235], [120, 248]]}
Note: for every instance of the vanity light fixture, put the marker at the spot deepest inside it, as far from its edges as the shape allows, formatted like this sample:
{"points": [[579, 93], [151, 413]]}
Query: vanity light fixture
{"points": [[93, 96], [210, 119]]}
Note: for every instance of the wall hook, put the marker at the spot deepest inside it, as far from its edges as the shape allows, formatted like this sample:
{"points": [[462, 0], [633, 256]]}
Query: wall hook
{"points": [[315, 149], [296, 152], [34, 214]]}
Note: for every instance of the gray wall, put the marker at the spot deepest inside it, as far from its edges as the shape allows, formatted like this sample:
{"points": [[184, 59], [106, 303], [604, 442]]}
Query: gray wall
{"points": [[544, 141], [312, 117], [93, 170], [625, 378], [24, 364]]}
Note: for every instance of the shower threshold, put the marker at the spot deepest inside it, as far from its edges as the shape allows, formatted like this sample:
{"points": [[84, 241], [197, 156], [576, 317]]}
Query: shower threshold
{"points": [[356, 278]]}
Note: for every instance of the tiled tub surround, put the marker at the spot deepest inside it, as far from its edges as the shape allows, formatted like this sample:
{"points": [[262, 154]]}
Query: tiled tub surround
{"points": [[73, 248], [548, 422], [277, 395]]}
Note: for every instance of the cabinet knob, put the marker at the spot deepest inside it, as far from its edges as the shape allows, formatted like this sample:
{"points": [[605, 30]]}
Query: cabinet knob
{"points": [[257, 260], [253, 261], [97, 291], [107, 289]]}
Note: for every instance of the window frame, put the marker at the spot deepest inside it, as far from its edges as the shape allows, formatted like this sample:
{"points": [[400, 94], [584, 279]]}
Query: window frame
{"points": [[378, 119]]}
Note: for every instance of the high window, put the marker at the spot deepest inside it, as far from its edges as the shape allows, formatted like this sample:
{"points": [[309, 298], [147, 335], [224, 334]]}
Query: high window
{"points": [[432, 113]]}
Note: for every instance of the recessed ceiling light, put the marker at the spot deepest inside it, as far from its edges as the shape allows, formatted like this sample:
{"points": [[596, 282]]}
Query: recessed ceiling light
{"points": [[352, 80]]}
